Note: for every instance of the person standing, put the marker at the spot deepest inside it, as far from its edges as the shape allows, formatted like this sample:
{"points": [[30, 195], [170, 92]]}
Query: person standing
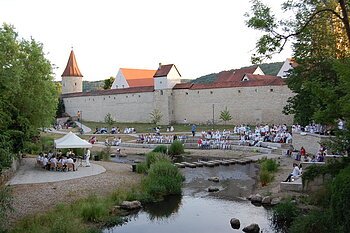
{"points": [[194, 127], [87, 158]]}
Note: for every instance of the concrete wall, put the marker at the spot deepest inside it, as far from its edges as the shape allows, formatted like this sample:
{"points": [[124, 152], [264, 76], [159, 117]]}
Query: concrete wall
{"points": [[72, 84], [250, 105], [131, 107], [311, 142]]}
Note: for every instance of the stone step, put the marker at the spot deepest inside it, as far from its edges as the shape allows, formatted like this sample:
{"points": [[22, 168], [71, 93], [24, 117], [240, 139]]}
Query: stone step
{"points": [[190, 165], [180, 165]]}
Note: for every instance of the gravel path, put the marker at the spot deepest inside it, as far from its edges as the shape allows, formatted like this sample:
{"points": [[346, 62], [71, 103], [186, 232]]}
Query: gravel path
{"points": [[35, 198]]}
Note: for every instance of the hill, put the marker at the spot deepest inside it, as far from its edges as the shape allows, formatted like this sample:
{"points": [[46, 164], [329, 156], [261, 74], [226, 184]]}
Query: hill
{"points": [[267, 68], [92, 86]]}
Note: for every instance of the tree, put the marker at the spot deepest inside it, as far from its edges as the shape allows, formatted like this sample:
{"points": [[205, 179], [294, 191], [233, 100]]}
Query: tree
{"points": [[109, 120], [156, 116], [108, 83], [225, 115], [28, 97]]}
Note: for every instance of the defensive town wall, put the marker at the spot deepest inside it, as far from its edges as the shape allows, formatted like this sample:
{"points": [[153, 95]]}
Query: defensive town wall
{"points": [[247, 105]]}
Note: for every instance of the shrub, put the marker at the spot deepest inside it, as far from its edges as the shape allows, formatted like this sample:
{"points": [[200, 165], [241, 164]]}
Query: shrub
{"points": [[283, 215], [176, 148], [141, 168], [340, 202], [31, 148], [161, 149], [270, 165], [265, 177], [163, 179], [153, 157], [315, 221], [93, 209]]}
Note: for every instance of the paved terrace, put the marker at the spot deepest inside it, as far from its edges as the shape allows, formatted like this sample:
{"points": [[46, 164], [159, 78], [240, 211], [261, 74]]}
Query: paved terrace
{"points": [[30, 173]]}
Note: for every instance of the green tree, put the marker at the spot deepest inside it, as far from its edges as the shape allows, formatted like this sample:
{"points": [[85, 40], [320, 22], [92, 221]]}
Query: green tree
{"points": [[108, 83], [109, 120], [28, 97], [225, 115], [156, 116]]}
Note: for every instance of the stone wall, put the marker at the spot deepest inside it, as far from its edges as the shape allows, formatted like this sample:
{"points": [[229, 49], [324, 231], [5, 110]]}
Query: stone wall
{"points": [[311, 142], [247, 105], [8, 173], [131, 107]]}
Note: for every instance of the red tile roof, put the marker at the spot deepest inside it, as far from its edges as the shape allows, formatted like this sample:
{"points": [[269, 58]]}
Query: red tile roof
{"points": [[111, 92], [164, 70], [145, 82], [183, 86], [72, 68], [138, 77], [235, 75]]}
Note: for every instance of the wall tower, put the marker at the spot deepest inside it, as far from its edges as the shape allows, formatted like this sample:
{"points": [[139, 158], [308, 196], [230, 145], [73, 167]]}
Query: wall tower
{"points": [[72, 79]]}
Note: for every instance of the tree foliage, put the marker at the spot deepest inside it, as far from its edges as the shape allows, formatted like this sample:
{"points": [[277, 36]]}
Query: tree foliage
{"points": [[156, 116], [225, 115], [109, 120], [108, 83], [28, 97]]}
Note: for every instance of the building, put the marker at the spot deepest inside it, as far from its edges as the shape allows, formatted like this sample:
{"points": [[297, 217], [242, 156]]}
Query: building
{"points": [[133, 78], [250, 96]]}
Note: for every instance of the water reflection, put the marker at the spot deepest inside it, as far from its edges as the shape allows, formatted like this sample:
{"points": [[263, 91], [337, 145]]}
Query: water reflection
{"points": [[164, 209]]}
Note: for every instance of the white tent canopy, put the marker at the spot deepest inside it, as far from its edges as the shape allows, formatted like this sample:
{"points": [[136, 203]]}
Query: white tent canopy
{"points": [[71, 140]]}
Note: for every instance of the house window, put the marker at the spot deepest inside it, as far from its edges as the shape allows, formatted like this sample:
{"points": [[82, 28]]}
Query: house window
{"points": [[271, 90]]}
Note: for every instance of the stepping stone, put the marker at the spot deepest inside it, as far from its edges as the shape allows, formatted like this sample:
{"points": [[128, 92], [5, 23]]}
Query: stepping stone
{"points": [[180, 165], [198, 164], [191, 165]]}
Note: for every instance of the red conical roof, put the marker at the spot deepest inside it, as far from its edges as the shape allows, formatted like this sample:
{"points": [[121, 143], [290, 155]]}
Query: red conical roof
{"points": [[72, 68]]}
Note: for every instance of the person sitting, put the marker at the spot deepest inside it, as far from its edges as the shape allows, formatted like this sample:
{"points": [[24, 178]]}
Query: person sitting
{"points": [[295, 173], [45, 162], [53, 161], [113, 130], [70, 161], [199, 143]]}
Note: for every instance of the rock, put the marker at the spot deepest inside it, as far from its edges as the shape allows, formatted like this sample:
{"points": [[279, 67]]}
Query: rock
{"points": [[252, 228], [214, 179], [275, 201], [213, 189], [235, 223], [257, 198], [266, 200], [130, 205]]}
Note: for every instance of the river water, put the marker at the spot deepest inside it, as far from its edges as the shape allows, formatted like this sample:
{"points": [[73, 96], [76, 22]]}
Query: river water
{"points": [[197, 210]]}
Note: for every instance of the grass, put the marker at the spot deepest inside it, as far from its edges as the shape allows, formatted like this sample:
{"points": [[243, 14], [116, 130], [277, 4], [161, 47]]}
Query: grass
{"points": [[94, 213], [148, 127], [267, 169]]}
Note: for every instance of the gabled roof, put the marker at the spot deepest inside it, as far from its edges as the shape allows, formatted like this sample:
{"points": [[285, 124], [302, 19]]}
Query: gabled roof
{"points": [[138, 77], [111, 91], [235, 75], [164, 70], [72, 68]]}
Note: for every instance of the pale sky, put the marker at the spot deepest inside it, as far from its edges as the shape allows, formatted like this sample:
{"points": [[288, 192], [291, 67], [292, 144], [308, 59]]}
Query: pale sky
{"points": [[198, 36]]}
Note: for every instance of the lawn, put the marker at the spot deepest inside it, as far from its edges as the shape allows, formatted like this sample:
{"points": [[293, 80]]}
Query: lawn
{"points": [[149, 128]]}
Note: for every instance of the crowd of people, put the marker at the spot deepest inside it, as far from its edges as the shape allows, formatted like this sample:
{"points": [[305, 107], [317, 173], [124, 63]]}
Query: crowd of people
{"points": [[59, 162], [206, 144], [157, 138]]}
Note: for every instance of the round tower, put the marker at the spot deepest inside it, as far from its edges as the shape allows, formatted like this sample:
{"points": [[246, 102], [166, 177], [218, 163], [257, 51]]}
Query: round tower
{"points": [[72, 79]]}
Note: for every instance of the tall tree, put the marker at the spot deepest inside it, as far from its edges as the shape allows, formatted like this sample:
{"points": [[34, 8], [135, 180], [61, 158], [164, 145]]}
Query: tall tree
{"points": [[108, 83], [28, 97]]}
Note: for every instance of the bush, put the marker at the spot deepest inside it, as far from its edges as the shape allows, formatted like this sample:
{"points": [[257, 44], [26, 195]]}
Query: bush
{"points": [[314, 222], [270, 165], [161, 149], [176, 148], [340, 202], [31, 148], [163, 179], [283, 215], [265, 177], [141, 168], [153, 157]]}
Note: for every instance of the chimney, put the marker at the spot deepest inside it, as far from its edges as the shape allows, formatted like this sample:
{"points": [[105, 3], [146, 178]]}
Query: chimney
{"points": [[160, 65]]}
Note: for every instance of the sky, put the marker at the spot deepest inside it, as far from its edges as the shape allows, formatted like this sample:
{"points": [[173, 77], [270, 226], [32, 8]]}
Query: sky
{"points": [[198, 36]]}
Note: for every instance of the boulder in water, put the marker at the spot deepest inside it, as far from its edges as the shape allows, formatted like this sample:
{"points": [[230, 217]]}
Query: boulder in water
{"points": [[252, 228], [257, 198], [235, 223], [130, 205]]}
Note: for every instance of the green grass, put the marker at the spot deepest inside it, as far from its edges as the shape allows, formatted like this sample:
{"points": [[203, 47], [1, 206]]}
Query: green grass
{"points": [[267, 169], [148, 127]]}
